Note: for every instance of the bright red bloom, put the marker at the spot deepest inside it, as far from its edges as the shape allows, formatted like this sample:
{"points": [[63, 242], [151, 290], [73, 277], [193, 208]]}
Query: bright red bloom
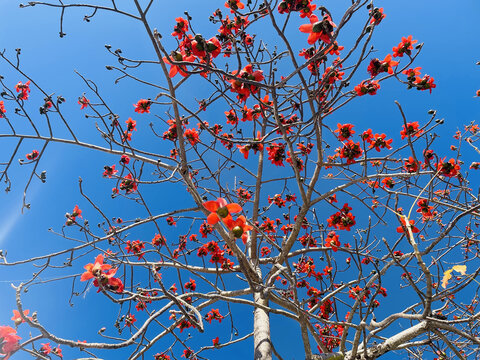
{"points": [[190, 285], [367, 135], [124, 159], [405, 47], [192, 136], [424, 209], [232, 117], [109, 171], [17, 319], [378, 142], [369, 87], [344, 131], [412, 73], [158, 240], [161, 357], [239, 227], [448, 169], [46, 349], [2, 109], [33, 155], [276, 153], [243, 89], [83, 102], [318, 30], [9, 341], [425, 83], [234, 5], [180, 28], [303, 6], [377, 16], [351, 151], [332, 241], [220, 209], [102, 277], [331, 75], [95, 269], [410, 165], [142, 106], [135, 247], [403, 227], [243, 194], [216, 341], [411, 130], [128, 184], [335, 49], [23, 89], [343, 219], [129, 320], [131, 125], [388, 182], [214, 314], [178, 69], [376, 66], [57, 351], [244, 150]]}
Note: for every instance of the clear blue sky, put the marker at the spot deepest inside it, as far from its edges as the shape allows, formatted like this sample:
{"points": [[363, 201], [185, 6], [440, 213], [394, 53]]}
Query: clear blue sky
{"points": [[448, 29]]}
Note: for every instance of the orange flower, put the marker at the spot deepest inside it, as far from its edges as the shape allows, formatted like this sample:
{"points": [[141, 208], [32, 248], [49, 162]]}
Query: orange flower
{"points": [[239, 227], [220, 210], [95, 269], [403, 227], [405, 47], [17, 319], [318, 30], [9, 342], [244, 150]]}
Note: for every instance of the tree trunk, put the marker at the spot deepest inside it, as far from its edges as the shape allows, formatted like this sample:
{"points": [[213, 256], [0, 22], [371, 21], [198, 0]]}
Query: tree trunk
{"points": [[261, 330]]}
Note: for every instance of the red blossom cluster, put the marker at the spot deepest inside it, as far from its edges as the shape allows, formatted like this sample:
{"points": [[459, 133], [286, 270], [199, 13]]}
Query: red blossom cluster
{"points": [[23, 90], [103, 275], [240, 86], [343, 219], [304, 7]]}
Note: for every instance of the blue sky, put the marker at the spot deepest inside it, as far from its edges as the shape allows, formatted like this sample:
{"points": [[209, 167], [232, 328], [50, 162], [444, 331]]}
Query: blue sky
{"points": [[449, 55]]}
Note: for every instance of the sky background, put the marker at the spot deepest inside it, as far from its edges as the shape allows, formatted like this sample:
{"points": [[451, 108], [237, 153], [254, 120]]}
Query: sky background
{"points": [[447, 28]]}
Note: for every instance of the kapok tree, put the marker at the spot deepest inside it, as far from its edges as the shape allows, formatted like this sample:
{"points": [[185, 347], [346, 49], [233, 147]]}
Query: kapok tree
{"points": [[284, 210]]}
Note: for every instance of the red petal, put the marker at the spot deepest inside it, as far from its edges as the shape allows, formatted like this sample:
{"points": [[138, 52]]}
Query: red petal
{"points": [[211, 206], [86, 276], [212, 219], [306, 28], [99, 259], [234, 208]]}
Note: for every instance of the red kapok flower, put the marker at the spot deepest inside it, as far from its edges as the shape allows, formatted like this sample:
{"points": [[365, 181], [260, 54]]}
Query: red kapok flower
{"points": [[83, 102], [17, 319], [403, 227], [239, 227], [369, 87], [377, 16], [448, 169], [95, 269], [344, 131], [33, 155], [9, 342], [142, 106], [2, 109], [411, 130], [23, 89], [220, 210], [318, 30], [405, 47]]}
